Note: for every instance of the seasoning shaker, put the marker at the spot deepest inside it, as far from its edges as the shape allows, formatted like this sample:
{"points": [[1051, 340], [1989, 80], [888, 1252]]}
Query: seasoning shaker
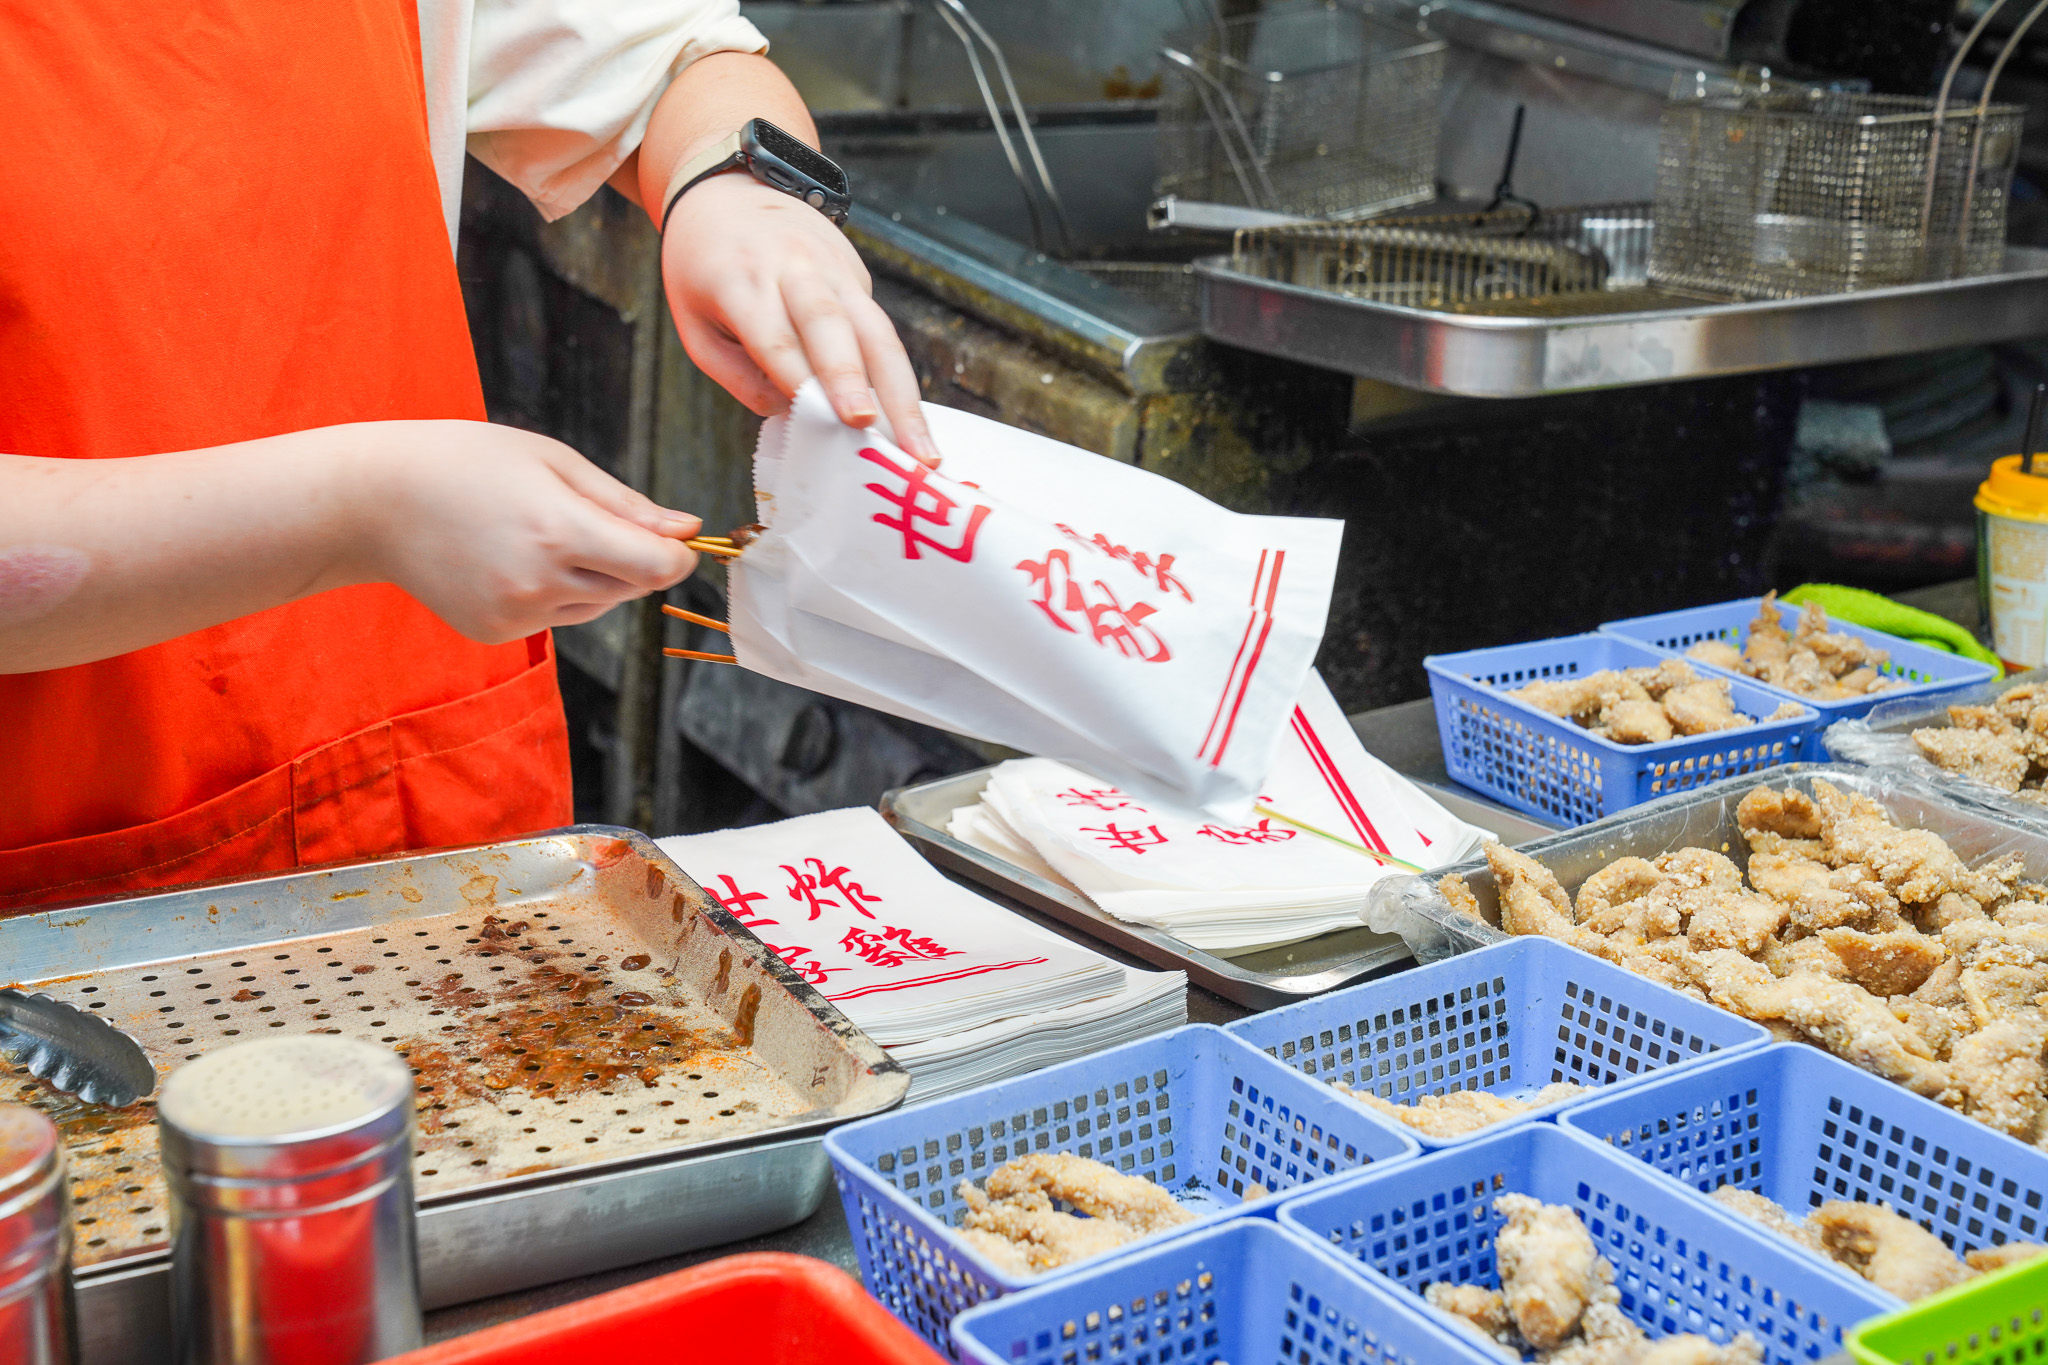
{"points": [[36, 1325], [289, 1162]]}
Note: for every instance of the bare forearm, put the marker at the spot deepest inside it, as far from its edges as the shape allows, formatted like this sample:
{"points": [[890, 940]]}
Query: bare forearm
{"points": [[712, 97], [99, 557]]}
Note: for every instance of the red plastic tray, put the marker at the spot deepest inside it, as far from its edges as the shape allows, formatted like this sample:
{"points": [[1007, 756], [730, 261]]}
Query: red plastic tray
{"points": [[765, 1306]]}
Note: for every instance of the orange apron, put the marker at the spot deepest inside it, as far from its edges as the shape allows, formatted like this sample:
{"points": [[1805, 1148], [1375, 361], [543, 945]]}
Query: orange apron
{"points": [[222, 223]]}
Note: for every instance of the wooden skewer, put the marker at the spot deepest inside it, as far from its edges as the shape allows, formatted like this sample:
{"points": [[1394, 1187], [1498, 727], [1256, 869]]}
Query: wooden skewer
{"points": [[717, 540], [710, 547], [694, 619], [699, 654], [1339, 839]]}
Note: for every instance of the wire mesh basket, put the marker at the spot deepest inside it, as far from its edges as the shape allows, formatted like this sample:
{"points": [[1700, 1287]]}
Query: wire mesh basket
{"points": [[1777, 193], [1169, 285], [1307, 108], [1469, 262]]}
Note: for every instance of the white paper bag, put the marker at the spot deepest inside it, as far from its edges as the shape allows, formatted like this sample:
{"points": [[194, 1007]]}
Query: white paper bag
{"points": [[1032, 595]]}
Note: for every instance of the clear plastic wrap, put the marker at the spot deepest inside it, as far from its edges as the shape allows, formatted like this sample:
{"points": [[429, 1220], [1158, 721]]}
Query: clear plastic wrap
{"points": [[1703, 818], [1884, 740]]}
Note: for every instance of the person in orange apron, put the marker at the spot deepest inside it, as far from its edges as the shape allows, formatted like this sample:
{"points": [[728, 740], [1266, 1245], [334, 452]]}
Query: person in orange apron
{"points": [[272, 592]]}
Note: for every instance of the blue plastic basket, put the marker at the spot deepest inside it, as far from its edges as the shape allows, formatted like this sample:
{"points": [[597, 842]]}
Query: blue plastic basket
{"points": [[1550, 766], [1245, 1292], [1196, 1111], [1510, 1018], [1801, 1128], [1681, 1263], [1921, 670]]}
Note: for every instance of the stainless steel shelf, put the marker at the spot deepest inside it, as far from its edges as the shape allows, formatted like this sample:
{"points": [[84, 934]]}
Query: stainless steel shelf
{"points": [[1657, 340]]}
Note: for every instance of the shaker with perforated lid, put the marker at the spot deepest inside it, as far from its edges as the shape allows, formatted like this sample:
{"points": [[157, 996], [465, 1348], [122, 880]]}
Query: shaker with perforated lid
{"points": [[35, 1242], [290, 1167]]}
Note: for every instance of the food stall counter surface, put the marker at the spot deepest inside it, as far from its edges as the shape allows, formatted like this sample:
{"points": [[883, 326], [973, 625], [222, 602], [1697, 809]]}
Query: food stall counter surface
{"points": [[1403, 735]]}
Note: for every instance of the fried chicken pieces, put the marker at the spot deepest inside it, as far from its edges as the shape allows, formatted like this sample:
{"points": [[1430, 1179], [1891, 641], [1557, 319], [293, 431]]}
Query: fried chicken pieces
{"points": [[1894, 1253], [1461, 1111], [1875, 942], [1643, 705], [1557, 1298], [1013, 1221], [1810, 659], [2004, 745]]}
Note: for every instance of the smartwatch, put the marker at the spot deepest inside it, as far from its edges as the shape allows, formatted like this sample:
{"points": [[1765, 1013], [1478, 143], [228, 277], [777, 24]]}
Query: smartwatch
{"points": [[774, 158]]}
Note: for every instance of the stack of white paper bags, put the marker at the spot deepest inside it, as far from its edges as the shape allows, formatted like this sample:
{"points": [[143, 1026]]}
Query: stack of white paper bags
{"points": [[959, 990], [1302, 867]]}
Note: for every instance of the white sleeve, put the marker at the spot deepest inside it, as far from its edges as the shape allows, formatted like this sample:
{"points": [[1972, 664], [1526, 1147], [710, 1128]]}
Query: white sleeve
{"points": [[560, 91]]}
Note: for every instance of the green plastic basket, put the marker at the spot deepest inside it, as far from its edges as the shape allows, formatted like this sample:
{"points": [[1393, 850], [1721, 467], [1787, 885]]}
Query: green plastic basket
{"points": [[2001, 1319]]}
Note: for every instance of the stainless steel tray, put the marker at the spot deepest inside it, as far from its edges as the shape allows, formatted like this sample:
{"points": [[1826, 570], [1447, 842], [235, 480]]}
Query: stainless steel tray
{"points": [[611, 1067], [1262, 980], [1705, 818], [1637, 337]]}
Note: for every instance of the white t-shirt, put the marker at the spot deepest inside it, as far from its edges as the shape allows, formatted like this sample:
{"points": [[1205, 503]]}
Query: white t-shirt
{"points": [[555, 94]]}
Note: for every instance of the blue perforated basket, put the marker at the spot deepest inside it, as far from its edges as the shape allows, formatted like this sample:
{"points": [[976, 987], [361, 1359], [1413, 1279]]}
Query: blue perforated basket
{"points": [[1510, 1018], [1198, 1112], [1552, 767], [1681, 1263], [1919, 670], [1245, 1292], [1800, 1127]]}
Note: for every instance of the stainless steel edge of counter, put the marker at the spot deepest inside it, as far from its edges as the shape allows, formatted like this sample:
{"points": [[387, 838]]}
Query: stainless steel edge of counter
{"points": [[1507, 357]]}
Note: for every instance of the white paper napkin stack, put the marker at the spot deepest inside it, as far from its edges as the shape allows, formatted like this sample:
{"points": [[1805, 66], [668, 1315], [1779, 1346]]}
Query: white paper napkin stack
{"points": [[1220, 886], [958, 989]]}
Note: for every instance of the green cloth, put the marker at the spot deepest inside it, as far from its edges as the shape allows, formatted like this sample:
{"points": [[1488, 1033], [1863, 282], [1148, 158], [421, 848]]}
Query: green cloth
{"points": [[1863, 608]]}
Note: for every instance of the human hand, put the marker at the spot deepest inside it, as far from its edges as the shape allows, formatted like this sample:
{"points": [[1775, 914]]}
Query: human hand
{"points": [[767, 293], [502, 532]]}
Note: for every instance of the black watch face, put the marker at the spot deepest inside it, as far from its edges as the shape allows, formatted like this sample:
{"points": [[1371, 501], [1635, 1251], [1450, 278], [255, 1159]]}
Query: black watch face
{"points": [[799, 157]]}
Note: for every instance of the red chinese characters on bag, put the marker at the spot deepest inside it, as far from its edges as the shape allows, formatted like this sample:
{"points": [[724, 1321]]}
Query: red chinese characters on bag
{"points": [[1261, 833], [808, 882], [892, 947], [1099, 798], [1159, 571], [1136, 840], [739, 904], [919, 502], [810, 969], [1108, 620]]}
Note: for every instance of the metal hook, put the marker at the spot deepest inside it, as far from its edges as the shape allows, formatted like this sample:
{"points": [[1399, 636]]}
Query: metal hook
{"points": [[956, 14], [1948, 80], [1210, 90]]}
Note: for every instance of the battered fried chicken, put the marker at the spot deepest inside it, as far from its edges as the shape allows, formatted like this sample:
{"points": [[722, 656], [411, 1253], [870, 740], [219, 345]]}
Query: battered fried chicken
{"points": [[1996, 1075], [1639, 705], [1846, 1020], [1606, 897], [1549, 1270], [1886, 964], [1914, 864], [1758, 1209], [1810, 660], [1014, 1223], [1688, 1348], [1457, 893], [1789, 814], [1898, 1256], [1480, 1311], [1984, 1260], [1462, 1111], [1532, 902], [1985, 755]]}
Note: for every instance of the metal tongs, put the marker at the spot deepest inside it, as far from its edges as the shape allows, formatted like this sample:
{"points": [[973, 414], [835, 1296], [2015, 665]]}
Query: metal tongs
{"points": [[73, 1050], [968, 30]]}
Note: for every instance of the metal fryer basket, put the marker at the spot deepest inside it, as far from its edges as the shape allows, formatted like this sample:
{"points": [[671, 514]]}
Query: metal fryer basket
{"points": [[1778, 193], [1335, 107], [594, 1041]]}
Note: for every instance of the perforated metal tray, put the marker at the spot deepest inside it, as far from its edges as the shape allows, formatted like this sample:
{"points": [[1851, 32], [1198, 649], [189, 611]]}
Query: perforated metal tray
{"points": [[609, 1066]]}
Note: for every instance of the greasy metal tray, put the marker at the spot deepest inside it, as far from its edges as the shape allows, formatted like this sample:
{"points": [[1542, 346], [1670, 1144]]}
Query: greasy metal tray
{"points": [[1703, 817], [610, 1067], [1261, 980], [1883, 738], [1623, 336]]}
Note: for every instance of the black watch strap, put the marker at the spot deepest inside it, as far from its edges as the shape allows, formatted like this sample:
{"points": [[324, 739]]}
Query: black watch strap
{"points": [[774, 158]]}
